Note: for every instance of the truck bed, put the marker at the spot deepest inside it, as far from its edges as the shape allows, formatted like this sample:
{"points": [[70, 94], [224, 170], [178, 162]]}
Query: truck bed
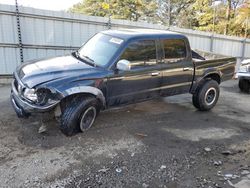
{"points": [[199, 55], [207, 61]]}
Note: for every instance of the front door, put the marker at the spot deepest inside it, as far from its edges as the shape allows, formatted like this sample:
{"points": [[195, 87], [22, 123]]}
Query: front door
{"points": [[142, 81]]}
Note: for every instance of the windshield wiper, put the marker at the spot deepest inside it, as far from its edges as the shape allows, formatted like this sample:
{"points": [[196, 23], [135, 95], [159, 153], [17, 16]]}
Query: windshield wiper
{"points": [[90, 60], [86, 59]]}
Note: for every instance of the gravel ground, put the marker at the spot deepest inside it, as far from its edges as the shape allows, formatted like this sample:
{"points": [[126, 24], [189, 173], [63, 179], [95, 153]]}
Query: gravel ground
{"points": [[160, 143]]}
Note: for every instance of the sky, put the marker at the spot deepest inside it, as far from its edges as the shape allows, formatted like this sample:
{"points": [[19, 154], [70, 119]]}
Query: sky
{"points": [[44, 4]]}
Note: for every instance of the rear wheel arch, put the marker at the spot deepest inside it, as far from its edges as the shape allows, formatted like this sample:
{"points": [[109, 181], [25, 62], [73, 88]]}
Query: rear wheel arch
{"points": [[213, 76]]}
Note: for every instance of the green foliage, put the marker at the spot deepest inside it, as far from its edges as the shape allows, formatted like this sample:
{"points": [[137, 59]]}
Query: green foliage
{"points": [[241, 21], [133, 10], [230, 17], [89, 7], [180, 11]]}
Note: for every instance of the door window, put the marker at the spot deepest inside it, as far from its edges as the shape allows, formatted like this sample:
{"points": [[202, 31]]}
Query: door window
{"points": [[174, 49], [140, 53]]}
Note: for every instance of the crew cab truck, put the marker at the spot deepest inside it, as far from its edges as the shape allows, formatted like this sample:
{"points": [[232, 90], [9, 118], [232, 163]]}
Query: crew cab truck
{"points": [[118, 67], [243, 75]]}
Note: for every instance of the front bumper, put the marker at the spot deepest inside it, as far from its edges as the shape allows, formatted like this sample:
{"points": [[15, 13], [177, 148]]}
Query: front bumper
{"points": [[23, 108], [244, 75]]}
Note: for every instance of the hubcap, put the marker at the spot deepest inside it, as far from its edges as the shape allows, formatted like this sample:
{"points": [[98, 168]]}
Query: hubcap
{"points": [[87, 118], [210, 96]]}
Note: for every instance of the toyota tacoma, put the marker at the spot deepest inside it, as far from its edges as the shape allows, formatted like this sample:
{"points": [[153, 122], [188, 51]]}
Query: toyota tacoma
{"points": [[114, 68]]}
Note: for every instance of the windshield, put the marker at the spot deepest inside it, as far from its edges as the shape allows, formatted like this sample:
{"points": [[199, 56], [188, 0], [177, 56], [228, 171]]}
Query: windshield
{"points": [[100, 49]]}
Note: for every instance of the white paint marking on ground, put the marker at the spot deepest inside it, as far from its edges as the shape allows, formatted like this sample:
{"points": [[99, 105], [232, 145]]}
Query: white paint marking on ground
{"points": [[206, 133]]}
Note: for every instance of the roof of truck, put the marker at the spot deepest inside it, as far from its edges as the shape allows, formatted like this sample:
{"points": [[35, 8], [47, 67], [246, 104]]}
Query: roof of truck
{"points": [[127, 34]]}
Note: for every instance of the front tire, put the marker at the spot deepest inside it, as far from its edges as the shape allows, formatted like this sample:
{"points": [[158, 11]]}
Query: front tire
{"points": [[78, 115], [244, 85], [206, 95]]}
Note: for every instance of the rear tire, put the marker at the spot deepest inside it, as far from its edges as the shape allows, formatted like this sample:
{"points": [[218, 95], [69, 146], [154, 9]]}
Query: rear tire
{"points": [[244, 85], [79, 115], [206, 95]]}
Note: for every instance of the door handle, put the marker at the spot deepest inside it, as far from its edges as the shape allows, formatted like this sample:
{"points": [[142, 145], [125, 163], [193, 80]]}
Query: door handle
{"points": [[155, 73], [186, 69]]}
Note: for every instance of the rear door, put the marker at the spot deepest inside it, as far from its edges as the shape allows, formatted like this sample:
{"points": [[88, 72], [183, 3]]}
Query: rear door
{"points": [[142, 81], [177, 67]]}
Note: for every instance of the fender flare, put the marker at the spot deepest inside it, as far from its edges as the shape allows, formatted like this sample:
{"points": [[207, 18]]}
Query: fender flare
{"points": [[207, 73], [86, 90]]}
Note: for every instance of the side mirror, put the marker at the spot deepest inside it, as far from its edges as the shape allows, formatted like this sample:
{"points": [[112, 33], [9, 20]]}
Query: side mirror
{"points": [[123, 65]]}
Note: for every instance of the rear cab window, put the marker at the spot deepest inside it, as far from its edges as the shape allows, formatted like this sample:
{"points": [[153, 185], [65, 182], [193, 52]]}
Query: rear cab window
{"points": [[174, 50]]}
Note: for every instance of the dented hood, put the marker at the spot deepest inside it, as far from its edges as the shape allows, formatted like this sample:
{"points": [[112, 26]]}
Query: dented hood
{"points": [[41, 71]]}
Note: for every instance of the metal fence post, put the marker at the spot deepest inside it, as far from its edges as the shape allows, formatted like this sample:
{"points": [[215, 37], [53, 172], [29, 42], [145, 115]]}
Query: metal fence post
{"points": [[20, 44], [212, 43], [109, 22], [243, 48]]}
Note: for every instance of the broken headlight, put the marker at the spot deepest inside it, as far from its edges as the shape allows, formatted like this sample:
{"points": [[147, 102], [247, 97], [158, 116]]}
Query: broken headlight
{"points": [[30, 94], [45, 96], [40, 96]]}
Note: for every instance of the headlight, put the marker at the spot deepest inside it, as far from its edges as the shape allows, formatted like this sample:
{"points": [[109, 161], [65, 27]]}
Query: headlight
{"points": [[30, 94], [45, 96], [244, 68]]}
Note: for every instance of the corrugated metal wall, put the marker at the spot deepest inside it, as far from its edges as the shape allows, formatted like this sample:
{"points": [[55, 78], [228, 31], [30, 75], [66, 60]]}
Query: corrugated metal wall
{"points": [[50, 33]]}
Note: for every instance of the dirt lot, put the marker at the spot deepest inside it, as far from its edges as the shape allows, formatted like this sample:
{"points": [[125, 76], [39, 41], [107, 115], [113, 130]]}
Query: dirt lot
{"points": [[161, 143]]}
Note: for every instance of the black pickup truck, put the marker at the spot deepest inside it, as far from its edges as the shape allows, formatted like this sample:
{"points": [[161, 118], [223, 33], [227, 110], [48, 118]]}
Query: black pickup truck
{"points": [[118, 67]]}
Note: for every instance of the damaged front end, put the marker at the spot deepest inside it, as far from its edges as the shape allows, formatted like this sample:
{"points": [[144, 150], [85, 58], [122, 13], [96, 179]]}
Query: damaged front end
{"points": [[30, 100]]}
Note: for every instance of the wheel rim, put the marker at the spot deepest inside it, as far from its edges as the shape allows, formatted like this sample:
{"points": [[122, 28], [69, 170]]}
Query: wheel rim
{"points": [[88, 118], [210, 96]]}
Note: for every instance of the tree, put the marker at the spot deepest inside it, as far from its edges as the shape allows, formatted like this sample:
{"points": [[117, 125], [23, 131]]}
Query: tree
{"points": [[177, 8], [203, 17], [241, 24], [133, 10], [230, 17], [89, 7]]}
